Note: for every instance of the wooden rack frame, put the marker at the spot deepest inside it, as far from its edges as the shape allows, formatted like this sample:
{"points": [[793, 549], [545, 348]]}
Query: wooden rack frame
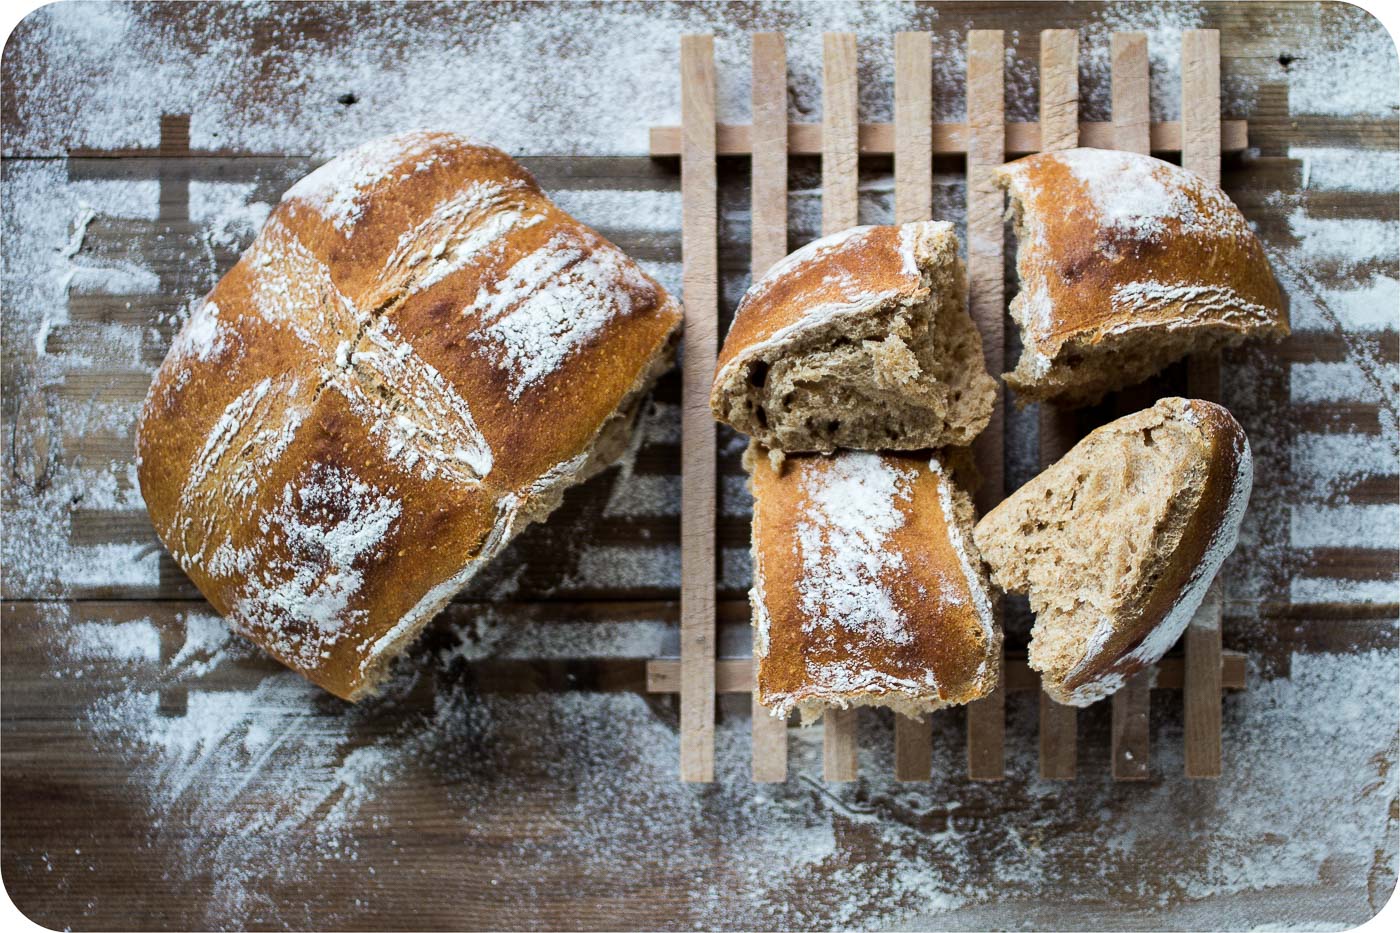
{"points": [[1203, 671]]}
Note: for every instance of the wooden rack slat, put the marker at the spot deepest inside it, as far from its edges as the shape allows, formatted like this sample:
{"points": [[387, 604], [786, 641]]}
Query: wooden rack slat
{"points": [[700, 282], [735, 675], [1200, 119], [1059, 120], [913, 201], [986, 102], [1131, 118], [769, 193], [948, 138], [840, 211]]}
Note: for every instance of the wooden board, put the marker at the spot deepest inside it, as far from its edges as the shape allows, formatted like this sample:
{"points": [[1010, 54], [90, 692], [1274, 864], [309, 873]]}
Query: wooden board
{"points": [[1131, 116], [770, 226], [1022, 138], [913, 201], [840, 210], [700, 251], [1200, 117], [986, 103], [1059, 117], [511, 819]]}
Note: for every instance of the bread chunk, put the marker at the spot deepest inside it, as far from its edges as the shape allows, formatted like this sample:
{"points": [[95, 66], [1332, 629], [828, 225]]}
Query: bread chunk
{"points": [[1117, 543], [1127, 263], [859, 340], [414, 359], [867, 590]]}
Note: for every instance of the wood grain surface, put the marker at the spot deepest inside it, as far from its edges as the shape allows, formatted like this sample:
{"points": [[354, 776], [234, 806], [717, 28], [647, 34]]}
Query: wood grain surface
{"points": [[1059, 118], [986, 103], [522, 771], [913, 201], [699, 252], [1200, 152], [769, 234], [1132, 89], [840, 210]]}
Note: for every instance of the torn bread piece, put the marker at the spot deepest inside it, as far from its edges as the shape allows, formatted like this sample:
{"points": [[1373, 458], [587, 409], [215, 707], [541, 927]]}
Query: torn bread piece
{"points": [[859, 340], [1117, 543], [414, 359], [1127, 263], [867, 590]]}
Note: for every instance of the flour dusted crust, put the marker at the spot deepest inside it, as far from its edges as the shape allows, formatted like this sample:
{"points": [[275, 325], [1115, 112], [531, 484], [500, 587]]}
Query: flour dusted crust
{"points": [[867, 587], [1126, 264], [413, 360], [861, 340], [1117, 543]]}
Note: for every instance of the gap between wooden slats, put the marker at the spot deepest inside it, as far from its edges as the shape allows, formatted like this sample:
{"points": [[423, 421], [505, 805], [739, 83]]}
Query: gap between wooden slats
{"points": [[913, 201], [1131, 121], [700, 252], [986, 723], [1059, 122], [769, 191], [1200, 118], [840, 157]]}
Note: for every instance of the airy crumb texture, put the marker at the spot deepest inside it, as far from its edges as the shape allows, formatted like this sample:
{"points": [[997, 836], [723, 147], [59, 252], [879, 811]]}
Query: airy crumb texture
{"points": [[1116, 543], [867, 588], [1127, 263], [868, 346]]}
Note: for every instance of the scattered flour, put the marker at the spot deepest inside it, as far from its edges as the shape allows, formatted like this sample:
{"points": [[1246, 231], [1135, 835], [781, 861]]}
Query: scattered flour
{"points": [[257, 791], [261, 789]]}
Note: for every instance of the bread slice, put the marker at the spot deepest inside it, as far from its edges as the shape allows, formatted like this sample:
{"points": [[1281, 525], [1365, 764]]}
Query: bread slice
{"points": [[1127, 263], [414, 359], [859, 340], [1117, 542], [867, 588]]}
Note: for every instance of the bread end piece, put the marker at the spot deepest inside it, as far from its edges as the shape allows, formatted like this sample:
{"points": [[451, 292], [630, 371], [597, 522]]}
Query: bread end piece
{"points": [[867, 588], [1127, 263], [1116, 543], [859, 340]]}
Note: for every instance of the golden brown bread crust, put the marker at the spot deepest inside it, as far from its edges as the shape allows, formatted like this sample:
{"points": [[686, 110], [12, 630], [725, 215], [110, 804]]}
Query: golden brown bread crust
{"points": [[842, 273], [414, 358], [859, 340], [1208, 496], [867, 590], [1116, 248]]}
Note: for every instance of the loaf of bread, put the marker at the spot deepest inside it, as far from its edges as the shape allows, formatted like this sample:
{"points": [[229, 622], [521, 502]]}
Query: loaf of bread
{"points": [[859, 340], [867, 590], [1127, 263], [413, 360], [1117, 543]]}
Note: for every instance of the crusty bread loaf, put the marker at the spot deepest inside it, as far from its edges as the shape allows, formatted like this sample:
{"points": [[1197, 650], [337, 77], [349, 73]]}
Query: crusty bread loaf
{"points": [[1127, 263], [860, 340], [411, 362], [1117, 542], [867, 590]]}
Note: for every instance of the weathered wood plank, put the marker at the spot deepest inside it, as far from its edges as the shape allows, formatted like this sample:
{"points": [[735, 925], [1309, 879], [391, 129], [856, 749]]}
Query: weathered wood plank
{"points": [[1059, 117], [699, 193], [1131, 87], [986, 104], [840, 210], [769, 234], [913, 201], [1200, 119], [947, 138]]}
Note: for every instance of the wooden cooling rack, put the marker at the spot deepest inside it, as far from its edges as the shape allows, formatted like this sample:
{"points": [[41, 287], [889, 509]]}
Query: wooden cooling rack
{"points": [[1203, 670]]}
